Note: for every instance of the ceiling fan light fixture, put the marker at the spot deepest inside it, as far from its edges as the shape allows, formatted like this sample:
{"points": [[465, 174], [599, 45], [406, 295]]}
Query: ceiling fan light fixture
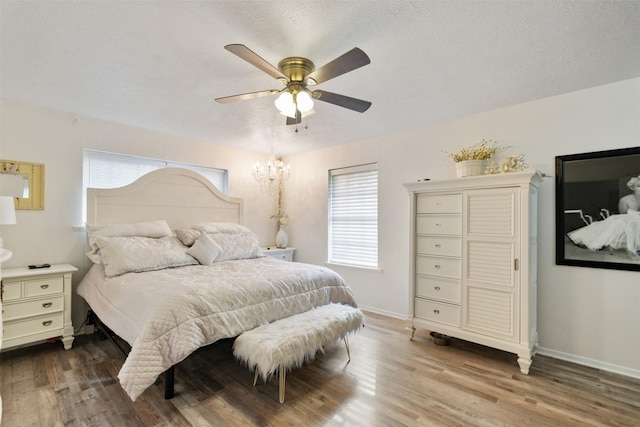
{"points": [[284, 103], [304, 101]]}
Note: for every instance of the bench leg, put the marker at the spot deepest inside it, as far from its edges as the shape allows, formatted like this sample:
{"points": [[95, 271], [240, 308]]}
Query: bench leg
{"points": [[346, 344], [282, 374]]}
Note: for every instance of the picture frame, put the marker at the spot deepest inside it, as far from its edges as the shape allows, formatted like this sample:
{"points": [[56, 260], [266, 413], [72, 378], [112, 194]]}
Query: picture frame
{"points": [[591, 190]]}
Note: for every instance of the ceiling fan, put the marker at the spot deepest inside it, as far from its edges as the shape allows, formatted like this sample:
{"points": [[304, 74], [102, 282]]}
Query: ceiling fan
{"points": [[297, 73]]}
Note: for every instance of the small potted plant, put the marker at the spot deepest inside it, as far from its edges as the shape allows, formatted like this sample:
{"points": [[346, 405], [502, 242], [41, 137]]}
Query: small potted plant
{"points": [[473, 160]]}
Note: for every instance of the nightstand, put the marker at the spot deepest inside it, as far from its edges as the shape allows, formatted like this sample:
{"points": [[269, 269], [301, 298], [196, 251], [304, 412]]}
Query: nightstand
{"points": [[284, 254], [36, 305]]}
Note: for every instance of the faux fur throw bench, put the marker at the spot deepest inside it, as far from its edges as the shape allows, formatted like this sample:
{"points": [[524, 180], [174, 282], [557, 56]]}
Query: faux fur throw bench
{"points": [[288, 343]]}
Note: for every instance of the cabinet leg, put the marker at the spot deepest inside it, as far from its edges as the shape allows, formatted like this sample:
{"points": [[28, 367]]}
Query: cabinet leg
{"points": [[67, 341], [524, 360]]}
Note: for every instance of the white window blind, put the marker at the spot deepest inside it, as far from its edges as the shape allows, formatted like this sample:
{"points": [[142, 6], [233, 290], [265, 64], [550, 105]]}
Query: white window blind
{"points": [[353, 216], [113, 170]]}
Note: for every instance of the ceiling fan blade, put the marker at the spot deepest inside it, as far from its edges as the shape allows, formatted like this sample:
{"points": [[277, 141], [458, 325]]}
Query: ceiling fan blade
{"points": [[342, 101], [297, 120], [349, 61], [254, 59], [244, 96]]}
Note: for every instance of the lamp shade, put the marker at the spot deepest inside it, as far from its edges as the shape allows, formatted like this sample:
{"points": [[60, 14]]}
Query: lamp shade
{"points": [[304, 101], [7, 210]]}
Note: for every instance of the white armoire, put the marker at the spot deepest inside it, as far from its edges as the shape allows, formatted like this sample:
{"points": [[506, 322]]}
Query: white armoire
{"points": [[473, 260]]}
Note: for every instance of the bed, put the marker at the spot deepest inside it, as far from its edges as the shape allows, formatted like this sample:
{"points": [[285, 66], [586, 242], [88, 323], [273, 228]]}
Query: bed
{"points": [[156, 285]]}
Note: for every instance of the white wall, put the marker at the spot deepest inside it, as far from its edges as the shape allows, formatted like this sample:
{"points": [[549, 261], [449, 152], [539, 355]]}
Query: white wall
{"points": [[584, 314], [56, 139], [587, 315]]}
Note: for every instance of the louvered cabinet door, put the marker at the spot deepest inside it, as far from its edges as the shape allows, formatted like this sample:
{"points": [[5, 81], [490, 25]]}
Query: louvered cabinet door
{"points": [[490, 277]]}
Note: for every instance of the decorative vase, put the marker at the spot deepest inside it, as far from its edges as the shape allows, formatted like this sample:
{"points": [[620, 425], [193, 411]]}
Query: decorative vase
{"points": [[470, 168], [281, 238]]}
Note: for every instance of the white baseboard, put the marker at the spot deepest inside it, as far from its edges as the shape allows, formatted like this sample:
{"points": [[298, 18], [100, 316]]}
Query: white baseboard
{"points": [[383, 312], [585, 361], [609, 367]]}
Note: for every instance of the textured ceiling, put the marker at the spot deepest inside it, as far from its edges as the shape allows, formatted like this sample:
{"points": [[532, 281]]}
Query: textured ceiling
{"points": [[159, 65]]}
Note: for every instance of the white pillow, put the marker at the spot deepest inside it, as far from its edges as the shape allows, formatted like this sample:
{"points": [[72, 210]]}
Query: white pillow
{"points": [[187, 236], [155, 229], [205, 250], [137, 254], [237, 246], [221, 227]]}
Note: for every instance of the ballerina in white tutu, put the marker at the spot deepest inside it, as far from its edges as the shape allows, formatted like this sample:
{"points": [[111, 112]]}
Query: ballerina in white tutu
{"points": [[621, 231]]}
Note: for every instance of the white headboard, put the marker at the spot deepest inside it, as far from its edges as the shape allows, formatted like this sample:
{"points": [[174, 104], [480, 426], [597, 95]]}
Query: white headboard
{"points": [[179, 196]]}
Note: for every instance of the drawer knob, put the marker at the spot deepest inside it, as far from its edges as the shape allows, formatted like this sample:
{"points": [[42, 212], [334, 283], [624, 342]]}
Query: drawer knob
{"points": [[47, 323], [47, 304], [437, 203], [438, 224], [44, 286], [436, 311], [437, 266], [438, 245], [437, 288]]}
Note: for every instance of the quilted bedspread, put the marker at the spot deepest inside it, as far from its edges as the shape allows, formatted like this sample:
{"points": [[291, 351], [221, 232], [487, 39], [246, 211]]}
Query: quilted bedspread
{"points": [[165, 315]]}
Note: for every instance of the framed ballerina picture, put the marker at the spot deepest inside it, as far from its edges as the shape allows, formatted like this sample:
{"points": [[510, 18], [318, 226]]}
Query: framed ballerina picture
{"points": [[598, 209]]}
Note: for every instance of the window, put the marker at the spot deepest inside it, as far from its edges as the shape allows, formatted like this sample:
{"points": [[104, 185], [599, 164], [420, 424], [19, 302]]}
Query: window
{"points": [[353, 216], [111, 170]]}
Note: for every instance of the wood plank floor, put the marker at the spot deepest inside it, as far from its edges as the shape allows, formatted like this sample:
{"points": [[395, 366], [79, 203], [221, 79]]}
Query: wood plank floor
{"points": [[390, 381]]}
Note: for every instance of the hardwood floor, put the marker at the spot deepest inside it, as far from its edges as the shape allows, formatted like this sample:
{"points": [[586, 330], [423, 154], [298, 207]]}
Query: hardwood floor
{"points": [[390, 381]]}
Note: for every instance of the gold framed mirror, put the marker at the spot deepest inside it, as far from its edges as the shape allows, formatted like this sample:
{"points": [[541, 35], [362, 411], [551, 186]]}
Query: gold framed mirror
{"points": [[25, 181]]}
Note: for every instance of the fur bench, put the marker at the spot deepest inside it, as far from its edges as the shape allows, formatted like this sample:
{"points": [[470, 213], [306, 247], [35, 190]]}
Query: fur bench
{"points": [[288, 343]]}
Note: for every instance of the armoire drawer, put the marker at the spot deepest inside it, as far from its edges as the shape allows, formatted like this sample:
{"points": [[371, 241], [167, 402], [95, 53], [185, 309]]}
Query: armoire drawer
{"points": [[439, 203], [449, 225], [437, 312], [439, 289], [33, 325], [32, 308], [440, 267], [437, 245]]}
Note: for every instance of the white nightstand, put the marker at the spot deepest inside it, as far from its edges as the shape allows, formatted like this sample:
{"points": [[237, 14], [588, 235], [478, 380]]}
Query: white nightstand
{"points": [[284, 254], [36, 305]]}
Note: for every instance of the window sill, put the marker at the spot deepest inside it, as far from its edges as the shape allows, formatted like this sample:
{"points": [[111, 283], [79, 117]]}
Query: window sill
{"points": [[357, 267]]}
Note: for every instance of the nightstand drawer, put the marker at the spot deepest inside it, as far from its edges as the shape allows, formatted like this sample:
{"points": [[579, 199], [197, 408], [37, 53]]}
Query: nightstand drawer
{"points": [[439, 203], [11, 291], [32, 326], [437, 312], [450, 225], [52, 285], [283, 254], [32, 308]]}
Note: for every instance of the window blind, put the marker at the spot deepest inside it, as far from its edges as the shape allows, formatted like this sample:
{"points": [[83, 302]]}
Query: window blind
{"points": [[112, 170], [353, 216]]}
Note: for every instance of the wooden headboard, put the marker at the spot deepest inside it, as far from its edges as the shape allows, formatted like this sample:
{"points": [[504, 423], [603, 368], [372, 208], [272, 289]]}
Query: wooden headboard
{"points": [[179, 196]]}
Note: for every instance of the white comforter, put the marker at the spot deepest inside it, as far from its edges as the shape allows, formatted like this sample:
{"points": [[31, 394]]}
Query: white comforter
{"points": [[165, 315]]}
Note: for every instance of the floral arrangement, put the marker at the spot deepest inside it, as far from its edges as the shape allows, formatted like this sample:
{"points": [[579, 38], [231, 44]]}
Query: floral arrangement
{"points": [[509, 164], [483, 150], [281, 217]]}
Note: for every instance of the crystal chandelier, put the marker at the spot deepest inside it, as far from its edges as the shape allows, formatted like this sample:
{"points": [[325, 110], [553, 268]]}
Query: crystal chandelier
{"points": [[276, 172]]}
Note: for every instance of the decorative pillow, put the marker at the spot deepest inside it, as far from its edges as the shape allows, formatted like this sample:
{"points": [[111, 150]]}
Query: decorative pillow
{"points": [[187, 236], [155, 229], [137, 254], [237, 246], [221, 227], [205, 250]]}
